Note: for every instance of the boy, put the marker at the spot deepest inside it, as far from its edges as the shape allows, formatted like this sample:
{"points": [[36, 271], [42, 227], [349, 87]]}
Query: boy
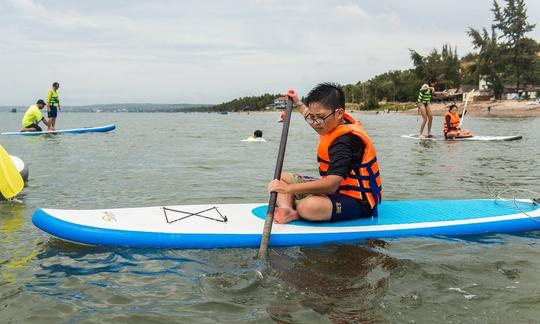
{"points": [[350, 183], [32, 117]]}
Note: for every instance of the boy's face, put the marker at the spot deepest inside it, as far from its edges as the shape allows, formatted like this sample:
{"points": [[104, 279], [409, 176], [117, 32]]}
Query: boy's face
{"points": [[323, 119]]}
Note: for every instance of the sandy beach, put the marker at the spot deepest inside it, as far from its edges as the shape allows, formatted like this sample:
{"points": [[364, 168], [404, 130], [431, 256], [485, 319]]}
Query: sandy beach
{"points": [[502, 108]]}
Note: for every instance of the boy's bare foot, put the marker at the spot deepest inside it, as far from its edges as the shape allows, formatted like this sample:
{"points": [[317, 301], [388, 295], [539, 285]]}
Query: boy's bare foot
{"points": [[285, 215]]}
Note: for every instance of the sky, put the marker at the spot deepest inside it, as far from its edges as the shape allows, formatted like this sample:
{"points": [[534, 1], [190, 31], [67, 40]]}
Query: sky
{"points": [[197, 51]]}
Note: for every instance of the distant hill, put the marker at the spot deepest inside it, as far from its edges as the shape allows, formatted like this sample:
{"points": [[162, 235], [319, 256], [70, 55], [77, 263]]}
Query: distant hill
{"points": [[136, 107], [252, 103]]}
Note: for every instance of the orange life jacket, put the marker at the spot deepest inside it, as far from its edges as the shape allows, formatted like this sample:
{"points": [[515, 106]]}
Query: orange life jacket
{"points": [[364, 180], [454, 121]]}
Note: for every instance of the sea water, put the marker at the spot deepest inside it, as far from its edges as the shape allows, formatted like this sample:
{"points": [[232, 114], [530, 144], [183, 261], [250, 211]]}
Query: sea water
{"points": [[156, 159]]}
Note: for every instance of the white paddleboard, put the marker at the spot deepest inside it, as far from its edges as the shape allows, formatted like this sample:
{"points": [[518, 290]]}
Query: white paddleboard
{"points": [[241, 225], [99, 129], [472, 138]]}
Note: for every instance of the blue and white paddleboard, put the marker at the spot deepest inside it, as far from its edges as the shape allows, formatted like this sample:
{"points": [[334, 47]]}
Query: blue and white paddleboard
{"points": [[472, 138], [100, 129], [241, 225]]}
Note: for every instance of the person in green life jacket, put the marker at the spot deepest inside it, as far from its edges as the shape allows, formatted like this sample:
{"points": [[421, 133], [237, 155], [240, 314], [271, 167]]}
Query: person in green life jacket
{"points": [[33, 116], [425, 95], [53, 105]]}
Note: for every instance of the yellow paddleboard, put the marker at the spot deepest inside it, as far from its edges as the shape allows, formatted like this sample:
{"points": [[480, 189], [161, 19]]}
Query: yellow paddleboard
{"points": [[11, 182]]}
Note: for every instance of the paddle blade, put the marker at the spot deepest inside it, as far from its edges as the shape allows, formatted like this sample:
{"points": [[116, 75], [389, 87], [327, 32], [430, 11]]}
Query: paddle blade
{"points": [[11, 182]]}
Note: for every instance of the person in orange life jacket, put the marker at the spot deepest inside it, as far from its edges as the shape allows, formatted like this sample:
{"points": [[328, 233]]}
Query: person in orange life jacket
{"points": [[451, 124], [350, 183]]}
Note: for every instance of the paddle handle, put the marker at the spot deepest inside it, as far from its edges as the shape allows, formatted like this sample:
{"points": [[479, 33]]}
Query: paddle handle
{"points": [[263, 248], [465, 107]]}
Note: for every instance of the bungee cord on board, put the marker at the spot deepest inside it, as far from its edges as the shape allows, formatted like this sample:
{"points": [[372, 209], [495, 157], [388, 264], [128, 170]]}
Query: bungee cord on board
{"points": [[221, 219], [513, 191]]}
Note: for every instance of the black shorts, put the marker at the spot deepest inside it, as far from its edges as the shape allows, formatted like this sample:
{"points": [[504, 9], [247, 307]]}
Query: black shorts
{"points": [[53, 113], [343, 207], [346, 208], [450, 130], [35, 126]]}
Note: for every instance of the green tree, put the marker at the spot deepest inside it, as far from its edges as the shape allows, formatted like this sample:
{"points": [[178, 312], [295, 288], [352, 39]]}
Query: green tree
{"points": [[489, 63], [443, 66], [512, 22], [246, 103], [469, 70]]}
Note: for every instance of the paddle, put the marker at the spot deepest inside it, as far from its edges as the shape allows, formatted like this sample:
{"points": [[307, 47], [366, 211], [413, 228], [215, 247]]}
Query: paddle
{"points": [[465, 107], [11, 182], [263, 248]]}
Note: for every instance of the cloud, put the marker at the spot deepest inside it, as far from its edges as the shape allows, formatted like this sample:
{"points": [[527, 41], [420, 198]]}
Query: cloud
{"points": [[213, 51]]}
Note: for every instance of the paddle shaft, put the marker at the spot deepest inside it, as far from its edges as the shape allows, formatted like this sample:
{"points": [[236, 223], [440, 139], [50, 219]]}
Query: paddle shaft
{"points": [[465, 108], [263, 248]]}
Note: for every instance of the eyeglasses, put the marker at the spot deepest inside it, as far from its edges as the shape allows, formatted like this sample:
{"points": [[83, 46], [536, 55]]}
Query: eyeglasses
{"points": [[317, 120]]}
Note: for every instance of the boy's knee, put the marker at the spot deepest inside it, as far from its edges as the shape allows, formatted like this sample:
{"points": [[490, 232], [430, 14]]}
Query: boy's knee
{"points": [[309, 208], [286, 177]]}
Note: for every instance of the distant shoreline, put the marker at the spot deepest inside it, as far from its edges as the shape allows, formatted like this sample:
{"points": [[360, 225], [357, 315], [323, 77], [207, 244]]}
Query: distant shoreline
{"points": [[502, 108]]}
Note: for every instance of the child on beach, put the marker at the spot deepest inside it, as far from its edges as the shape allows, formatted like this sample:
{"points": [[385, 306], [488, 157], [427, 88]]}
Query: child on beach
{"points": [[350, 183]]}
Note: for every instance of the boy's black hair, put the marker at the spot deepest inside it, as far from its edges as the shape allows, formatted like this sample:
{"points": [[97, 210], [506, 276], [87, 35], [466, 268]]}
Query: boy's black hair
{"points": [[55, 84], [451, 106], [327, 94], [257, 133]]}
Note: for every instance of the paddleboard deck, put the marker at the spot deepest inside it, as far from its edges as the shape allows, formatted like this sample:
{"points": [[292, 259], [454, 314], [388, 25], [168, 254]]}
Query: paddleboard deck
{"points": [[472, 138], [99, 129], [241, 225]]}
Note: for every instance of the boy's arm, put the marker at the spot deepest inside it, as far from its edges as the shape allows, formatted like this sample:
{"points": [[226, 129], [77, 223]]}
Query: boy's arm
{"points": [[302, 108], [322, 186], [297, 103], [326, 185]]}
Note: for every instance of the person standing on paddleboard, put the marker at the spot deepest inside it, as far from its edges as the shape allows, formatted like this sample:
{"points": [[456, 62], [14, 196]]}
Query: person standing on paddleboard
{"points": [[425, 95], [350, 183], [53, 105], [33, 116], [451, 127]]}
